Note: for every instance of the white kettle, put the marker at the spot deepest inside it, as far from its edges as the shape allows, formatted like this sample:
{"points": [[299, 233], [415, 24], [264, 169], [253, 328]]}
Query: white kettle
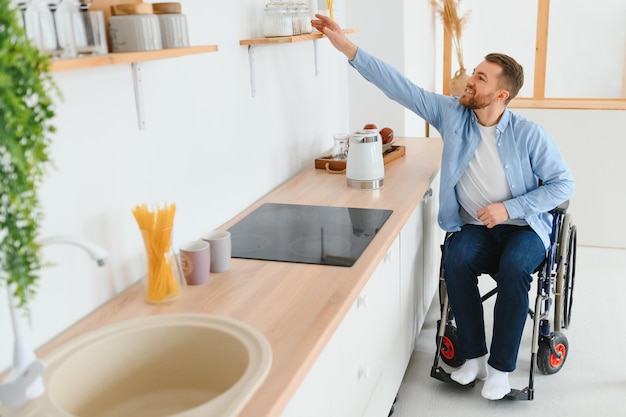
{"points": [[365, 168]]}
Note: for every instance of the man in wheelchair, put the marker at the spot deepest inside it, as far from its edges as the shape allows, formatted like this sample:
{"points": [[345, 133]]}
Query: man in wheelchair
{"points": [[500, 217], [492, 163]]}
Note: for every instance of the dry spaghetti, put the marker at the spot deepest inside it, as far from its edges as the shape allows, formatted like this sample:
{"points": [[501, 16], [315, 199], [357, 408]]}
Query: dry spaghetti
{"points": [[330, 7], [156, 229]]}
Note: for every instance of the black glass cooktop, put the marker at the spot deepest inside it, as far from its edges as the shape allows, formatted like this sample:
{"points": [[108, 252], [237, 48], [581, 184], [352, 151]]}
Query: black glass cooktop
{"points": [[306, 234]]}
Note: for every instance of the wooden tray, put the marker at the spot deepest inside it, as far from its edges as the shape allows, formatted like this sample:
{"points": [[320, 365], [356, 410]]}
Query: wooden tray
{"points": [[329, 164]]}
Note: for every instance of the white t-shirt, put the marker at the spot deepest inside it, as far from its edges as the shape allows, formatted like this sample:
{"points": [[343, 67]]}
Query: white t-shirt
{"points": [[483, 182]]}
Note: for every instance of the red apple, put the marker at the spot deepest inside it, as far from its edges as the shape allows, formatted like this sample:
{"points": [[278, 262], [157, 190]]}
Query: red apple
{"points": [[386, 133]]}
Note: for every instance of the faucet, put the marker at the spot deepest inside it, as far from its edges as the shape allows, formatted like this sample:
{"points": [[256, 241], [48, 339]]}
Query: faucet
{"points": [[95, 252], [24, 381]]}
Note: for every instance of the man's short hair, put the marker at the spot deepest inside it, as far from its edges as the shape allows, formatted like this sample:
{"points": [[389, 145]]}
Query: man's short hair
{"points": [[512, 77]]}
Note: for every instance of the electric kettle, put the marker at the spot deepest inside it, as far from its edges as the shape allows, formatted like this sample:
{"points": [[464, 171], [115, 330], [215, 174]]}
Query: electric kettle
{"points": [[365, 168]]}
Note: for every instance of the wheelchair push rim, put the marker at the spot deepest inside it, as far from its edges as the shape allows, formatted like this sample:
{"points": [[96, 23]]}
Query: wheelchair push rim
{"points": [[565, 274]]}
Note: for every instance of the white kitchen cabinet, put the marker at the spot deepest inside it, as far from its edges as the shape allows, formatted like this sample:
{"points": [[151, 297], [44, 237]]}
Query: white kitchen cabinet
{"points": [[312, 399], [361, 345], [420, 254], [412, 278], [360, 370], [342, 380], [432, 240]]}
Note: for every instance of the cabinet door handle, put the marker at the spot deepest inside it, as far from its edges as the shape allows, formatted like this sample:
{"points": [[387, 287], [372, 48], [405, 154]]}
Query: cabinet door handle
{"points": [[362, 301], [364, 372], [427, 195], [387, 257]]}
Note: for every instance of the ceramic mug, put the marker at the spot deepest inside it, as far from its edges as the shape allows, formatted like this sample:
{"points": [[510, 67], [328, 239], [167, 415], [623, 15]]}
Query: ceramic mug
{"points": [[195, 261], [220, 249]]}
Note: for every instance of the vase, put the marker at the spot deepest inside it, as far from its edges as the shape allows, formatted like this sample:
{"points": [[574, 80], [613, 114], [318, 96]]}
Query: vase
{"points": [[458, 83]]}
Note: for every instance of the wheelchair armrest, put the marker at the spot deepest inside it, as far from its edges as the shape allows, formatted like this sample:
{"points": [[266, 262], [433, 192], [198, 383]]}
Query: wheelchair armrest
{"points": [[561, 208]]}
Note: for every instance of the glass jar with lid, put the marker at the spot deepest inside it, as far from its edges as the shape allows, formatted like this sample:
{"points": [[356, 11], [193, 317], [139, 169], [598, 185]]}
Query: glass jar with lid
{"points": [[305, 18], [340, 147], [292, 8], [277, 20]]}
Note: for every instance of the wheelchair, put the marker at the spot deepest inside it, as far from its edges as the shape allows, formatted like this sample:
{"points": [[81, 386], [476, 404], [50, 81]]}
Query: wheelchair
{"points": [[551, 315]]}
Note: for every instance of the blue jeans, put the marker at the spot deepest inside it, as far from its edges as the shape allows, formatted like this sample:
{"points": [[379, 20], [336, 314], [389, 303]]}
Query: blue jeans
{"points": [[510, 254]]}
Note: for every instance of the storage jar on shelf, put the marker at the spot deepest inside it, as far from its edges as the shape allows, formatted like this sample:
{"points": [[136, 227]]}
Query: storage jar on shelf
{"points": [[286, 19], [277, 20], [134, 27], [173, 24]]}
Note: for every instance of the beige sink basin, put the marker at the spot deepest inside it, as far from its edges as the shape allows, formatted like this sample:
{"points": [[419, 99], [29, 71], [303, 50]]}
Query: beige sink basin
{"points": [[181, 365]]}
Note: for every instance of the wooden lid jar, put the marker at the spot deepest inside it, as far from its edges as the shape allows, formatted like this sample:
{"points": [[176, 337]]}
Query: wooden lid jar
{"points": [[174, 31], [134, 27]]}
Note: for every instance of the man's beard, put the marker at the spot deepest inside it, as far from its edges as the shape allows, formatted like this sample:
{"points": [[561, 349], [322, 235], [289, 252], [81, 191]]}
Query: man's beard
{"points": [[476, 101]]}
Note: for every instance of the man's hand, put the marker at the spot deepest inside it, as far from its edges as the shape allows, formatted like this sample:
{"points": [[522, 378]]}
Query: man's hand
{"points": [[333, 32], [493, 214]]}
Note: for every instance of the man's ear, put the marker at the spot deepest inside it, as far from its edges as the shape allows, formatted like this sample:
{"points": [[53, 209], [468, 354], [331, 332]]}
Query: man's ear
{"points": [[503, 95]]}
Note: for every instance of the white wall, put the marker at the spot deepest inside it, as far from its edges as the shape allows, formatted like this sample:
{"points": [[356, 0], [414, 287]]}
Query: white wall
{"points": [[208, 146], [212, 149], [594, 145], [402, 33]]}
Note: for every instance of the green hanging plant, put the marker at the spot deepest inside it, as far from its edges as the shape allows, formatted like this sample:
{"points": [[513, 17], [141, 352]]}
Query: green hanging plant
{"points": [[25, 112]]}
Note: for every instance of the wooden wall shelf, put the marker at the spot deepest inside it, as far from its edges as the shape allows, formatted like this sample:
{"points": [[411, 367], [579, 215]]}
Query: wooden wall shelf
{"points": [[288, 39], [569, 103], [126, 57]]}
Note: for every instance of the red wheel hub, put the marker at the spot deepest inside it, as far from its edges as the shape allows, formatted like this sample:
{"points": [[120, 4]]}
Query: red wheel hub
{"points": [[554, 361], [447, 348]]}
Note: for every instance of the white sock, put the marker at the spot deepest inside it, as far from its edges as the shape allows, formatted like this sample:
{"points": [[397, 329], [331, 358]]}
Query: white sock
{"points": [[497, 385], [471, 370]]}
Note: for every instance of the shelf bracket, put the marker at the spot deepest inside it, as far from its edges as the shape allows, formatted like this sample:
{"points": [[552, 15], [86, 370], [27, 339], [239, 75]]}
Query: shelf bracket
{"points": [[315, 56], [138, 84], [252, 70]]}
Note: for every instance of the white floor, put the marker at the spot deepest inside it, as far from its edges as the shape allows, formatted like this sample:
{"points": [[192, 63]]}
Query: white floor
{"points": [[592, 381]]}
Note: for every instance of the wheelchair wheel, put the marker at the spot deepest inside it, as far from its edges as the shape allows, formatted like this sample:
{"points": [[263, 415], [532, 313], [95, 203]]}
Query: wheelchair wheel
{"points": [[565, 274], [449, 345], [547, 361]]}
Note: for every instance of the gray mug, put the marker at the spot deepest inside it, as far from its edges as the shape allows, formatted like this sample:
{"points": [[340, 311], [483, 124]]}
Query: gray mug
{"points": [[220, 249]]}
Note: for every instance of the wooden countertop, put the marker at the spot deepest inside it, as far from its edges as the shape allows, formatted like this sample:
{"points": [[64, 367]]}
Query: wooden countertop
{"points": [[296, 306]]}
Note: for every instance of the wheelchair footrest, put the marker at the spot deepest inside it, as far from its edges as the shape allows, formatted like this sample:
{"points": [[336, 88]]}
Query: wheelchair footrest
{"points": [[440, 374], [517, 395]]}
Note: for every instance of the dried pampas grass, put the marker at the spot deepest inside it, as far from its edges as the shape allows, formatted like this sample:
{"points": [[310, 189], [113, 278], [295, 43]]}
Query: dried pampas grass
{"points": [[453, 23]]}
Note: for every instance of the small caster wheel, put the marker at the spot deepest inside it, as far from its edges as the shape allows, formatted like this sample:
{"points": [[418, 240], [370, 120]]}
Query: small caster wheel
{"points": [[449, 347], [552, 353]]}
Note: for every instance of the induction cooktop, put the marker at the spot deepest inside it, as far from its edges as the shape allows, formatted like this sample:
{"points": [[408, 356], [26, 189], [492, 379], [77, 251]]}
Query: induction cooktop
{"points": [[306, 234]]}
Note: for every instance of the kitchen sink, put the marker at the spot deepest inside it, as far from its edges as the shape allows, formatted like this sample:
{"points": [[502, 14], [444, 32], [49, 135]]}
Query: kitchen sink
{"points": [[181, 365]]}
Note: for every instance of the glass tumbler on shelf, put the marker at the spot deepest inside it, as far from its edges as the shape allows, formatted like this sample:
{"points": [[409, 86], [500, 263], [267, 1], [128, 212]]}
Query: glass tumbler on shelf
{"points": [[340, 147], [89, 33], [163, 281], [294, 15], [305, 19], [40, 26]]}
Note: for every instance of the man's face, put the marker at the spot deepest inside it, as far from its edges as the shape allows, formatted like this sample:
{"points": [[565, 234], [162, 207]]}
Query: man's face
{"points": [[482, 86]]}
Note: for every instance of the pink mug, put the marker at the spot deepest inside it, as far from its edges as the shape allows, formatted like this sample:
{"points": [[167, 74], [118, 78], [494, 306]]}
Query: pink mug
{"points": [[195, 261]]}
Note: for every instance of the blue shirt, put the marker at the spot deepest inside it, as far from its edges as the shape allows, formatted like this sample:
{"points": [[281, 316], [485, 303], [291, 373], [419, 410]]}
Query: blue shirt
{"points": [[527, 151]]}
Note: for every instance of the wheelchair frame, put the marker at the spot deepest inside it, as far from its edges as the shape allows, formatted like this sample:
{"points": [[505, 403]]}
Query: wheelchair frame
{"points": [[555, 276]]}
